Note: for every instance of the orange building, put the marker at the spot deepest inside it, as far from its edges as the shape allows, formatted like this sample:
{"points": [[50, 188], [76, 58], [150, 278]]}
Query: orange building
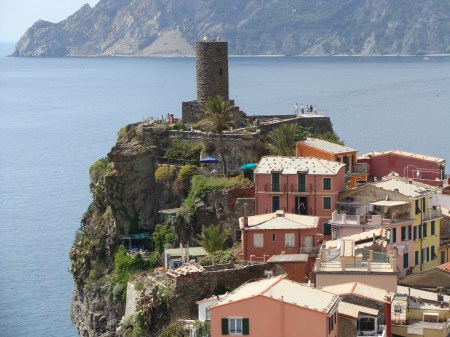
{"points": [[318, 148], [276, 307]]}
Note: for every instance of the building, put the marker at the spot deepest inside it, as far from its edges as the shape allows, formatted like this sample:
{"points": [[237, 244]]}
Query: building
{"points": [[403, 210], [430, 279], [277, 233], [349, 263], [299, 185], [421, 168], [175, 257], [276, 307], [363, 309], [318, 148], [420, 313]]}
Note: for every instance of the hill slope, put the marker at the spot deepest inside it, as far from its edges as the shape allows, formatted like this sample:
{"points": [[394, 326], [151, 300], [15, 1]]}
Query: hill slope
{"points": [[256, 27]]}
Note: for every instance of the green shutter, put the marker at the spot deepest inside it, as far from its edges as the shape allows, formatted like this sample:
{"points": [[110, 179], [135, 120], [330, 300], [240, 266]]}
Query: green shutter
{"points": [[245, 326], [301, 182], [224, 326], [327, 184], [275, 182]]}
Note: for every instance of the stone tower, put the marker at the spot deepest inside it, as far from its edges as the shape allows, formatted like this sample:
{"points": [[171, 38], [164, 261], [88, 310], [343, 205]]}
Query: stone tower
{"points": [[212, 79], [212, 70]]}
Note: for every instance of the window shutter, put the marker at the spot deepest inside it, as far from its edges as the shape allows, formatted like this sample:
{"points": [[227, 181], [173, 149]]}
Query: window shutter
{"points": [[245, 326], [224, 326]]}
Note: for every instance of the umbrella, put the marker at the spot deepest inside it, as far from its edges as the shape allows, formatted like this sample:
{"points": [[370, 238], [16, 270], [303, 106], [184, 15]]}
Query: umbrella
{"points": [[249, 166], [209, 160]]}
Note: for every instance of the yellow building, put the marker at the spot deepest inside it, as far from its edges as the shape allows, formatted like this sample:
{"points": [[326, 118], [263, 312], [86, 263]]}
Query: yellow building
{"points": [[426, 226]]}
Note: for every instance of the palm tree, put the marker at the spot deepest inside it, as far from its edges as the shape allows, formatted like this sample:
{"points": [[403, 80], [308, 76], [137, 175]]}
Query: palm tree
{"points": [[212, 238], [218, 116], [282, 140]]}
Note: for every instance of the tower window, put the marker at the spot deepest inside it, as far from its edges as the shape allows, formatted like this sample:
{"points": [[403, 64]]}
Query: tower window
{"points": [[221, 71]]}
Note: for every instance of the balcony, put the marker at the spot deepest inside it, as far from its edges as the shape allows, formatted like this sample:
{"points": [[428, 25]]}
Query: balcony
{"points": [[432, 213], [375, 220]]}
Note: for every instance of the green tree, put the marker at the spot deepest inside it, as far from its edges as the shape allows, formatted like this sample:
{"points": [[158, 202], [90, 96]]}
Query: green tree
{"points": [[217, 117], [212, 238], [163, 235], [282, 140], [330, 137]]}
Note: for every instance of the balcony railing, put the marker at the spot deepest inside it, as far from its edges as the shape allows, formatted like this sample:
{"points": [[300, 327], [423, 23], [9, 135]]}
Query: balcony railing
{"points": [[364, 219]]}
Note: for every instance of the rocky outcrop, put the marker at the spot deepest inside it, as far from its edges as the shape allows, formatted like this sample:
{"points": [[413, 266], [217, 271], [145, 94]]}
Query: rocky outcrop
{"points": [[263, 27]]}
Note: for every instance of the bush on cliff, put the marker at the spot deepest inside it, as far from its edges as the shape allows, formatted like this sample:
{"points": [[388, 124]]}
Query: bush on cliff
{"points": [[163, 236], [218, 257], [181, 150], [165, 173]]}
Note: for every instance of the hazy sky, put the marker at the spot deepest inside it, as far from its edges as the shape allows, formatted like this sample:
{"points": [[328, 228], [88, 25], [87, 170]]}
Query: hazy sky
{"points": [[16, 16]]}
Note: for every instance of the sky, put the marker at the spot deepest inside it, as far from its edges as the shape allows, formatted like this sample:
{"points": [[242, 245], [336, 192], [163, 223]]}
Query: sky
{"points": [[16, 16]]}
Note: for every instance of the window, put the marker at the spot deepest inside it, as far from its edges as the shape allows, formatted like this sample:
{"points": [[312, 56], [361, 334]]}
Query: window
{"points": [[404, 233], [420, 231], [274, 237], [307, 244], [289, 240], [326, 229], [424, 255], [235, 326], [415, 232], [417, 206], [275, 182], [425, 230], [394, 235], [258, 240], [409, 232], [405, 260], [326, 202], [275, 203], [327, 184], [301, 182], [443, 257], [433, 228], [416, 258], [367, 324], [433, 253]]}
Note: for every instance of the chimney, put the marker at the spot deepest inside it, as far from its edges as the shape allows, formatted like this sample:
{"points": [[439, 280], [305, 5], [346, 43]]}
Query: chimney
{"points": [[387, 316], [245, 216]]}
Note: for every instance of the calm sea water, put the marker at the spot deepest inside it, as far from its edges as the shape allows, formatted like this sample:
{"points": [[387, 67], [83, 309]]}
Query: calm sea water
{"points": [[57, 116]]}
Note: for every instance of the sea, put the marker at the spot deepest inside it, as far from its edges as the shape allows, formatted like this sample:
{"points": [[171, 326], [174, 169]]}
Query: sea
{"points": [[59, 115]]}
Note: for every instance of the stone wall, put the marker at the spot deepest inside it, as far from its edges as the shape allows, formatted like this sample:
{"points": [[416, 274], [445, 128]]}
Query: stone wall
{"points": [[195, 287], [212, 69]]}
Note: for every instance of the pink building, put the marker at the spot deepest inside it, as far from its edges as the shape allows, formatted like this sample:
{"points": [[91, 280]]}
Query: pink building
{"points": [[277, 233], [300, 185], [276, 307], [422, 168]]}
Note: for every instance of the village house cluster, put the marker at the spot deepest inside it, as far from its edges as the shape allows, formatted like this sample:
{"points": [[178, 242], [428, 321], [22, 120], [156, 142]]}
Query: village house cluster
{"points": [[363, 242]]}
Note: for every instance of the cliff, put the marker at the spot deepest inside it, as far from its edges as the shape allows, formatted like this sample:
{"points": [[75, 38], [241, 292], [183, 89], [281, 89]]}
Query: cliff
{"points": [[263, 27], [126, 198]]}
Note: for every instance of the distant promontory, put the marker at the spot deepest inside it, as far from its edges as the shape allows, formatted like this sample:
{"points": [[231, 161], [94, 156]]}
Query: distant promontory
{"points": [[251, 27]]}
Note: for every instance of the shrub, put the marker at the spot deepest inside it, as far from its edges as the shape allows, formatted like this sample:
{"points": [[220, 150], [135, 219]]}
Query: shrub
{"points": [[164, 173], [163, 235], [186, 172], [175, 329], [180, 150], [219, 257]]}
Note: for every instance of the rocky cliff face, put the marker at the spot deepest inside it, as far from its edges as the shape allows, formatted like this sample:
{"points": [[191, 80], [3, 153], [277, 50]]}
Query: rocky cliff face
{"points": [[263, 27]]}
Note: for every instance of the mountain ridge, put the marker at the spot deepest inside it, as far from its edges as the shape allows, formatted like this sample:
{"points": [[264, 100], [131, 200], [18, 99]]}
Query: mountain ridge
{"points": [[263, 27]]}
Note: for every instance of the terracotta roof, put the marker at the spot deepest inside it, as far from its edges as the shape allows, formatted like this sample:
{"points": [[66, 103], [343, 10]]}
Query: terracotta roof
{"points": [[294, 165], [425, 295], [355, 237], [353, 310], [405, 154], [327, 146], [280, 220], [278, 288], [444, 267], [359, 289]]}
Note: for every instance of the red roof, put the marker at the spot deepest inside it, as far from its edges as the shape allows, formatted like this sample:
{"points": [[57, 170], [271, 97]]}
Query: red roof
{"points": [[445, 267]]}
